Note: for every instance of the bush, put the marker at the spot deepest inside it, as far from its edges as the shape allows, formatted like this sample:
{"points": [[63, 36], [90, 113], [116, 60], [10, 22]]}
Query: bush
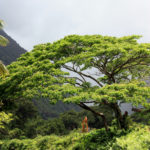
{"points": [[18, 145], [133, 139], [142, 117], [100, 139], [15, 133], [52, 142], [30, 125], [138, 139]]}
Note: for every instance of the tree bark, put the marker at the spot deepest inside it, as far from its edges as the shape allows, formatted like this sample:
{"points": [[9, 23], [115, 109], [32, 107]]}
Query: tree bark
{"points": [[121, 119]]}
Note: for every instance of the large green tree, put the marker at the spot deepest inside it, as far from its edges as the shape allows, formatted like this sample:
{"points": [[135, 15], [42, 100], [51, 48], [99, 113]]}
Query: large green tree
{"points": [[90, 69]]}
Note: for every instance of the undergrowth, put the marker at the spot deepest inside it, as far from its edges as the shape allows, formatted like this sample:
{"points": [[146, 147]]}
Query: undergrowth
{"points": [[136, 138]]}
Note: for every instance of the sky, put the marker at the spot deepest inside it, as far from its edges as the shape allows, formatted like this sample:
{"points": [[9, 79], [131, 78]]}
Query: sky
{"points": [[32, 22]]}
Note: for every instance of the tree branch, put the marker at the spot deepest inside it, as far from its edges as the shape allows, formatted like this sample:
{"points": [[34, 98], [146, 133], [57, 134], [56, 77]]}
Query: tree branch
{"points": [[82, 74], [119, 67], [82, 105]]}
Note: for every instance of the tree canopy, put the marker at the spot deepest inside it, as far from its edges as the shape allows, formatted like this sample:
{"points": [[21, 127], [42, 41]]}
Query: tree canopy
{"points": [[82, 69]]}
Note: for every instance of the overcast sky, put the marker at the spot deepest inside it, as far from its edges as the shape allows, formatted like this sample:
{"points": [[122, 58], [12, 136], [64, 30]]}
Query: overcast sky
{"points": [[31, 22]]}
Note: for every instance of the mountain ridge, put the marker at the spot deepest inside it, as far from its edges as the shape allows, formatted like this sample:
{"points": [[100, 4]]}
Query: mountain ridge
{"points": [[12, 51]]}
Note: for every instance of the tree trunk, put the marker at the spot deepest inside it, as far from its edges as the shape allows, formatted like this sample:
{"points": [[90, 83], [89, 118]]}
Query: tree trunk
{"points": [[96, 113], [121, 119]]}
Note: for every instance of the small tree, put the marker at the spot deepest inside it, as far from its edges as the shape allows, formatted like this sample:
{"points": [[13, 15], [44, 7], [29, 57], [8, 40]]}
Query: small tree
{"points": [[103, 70]]}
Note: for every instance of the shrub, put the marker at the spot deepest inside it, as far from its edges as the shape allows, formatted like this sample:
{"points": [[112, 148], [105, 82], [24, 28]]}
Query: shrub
{"points": [[52, 142], [15, 133], [138, 139]]}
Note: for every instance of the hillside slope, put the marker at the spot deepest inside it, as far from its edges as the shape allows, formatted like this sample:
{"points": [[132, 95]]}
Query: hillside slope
{"points": [[12, 51]]}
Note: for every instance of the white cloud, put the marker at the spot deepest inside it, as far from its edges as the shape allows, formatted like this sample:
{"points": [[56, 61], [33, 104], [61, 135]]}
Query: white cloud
{"points": [[32, 22]]}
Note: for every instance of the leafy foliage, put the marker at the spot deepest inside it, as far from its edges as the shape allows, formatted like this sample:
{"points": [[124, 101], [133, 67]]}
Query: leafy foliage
{"points": [[138, 138], [142, 117], [36, 69], [65, 123], [28, 124], [3, 70], [4, 119], [41, 143], [3, 40], [44, 73], [100, 139], [23, 111]]}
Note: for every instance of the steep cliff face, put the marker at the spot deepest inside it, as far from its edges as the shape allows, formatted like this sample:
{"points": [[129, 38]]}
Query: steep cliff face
{"points": [[12, 51]]}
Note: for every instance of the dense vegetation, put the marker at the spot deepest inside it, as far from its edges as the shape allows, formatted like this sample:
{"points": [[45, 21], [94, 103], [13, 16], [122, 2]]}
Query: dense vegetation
{"points": [[27, 122], [137, 138], [118, 63], [4, 117], [8, 54], [96, 73]]}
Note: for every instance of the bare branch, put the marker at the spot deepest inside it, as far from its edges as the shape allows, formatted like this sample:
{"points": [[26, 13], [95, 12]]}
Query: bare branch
{"points": [[120, 67]]}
